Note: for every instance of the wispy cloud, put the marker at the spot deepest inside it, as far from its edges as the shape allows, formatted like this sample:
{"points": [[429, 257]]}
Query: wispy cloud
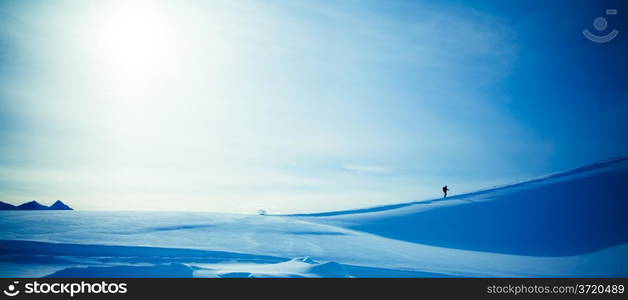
{"points": [[242, 91], [368, 168]]}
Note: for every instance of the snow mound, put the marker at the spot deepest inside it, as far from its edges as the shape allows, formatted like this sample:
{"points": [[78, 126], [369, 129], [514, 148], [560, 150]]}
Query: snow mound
{"points": [[568, 224], [301, 267], [154, 271], [568, 213], [305, 259]]}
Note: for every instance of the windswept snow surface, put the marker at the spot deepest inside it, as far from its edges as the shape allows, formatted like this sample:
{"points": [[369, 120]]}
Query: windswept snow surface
{"points": [[566, 224]]}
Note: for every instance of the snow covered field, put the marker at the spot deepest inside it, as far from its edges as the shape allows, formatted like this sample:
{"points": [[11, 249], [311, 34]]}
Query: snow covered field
{"points": [[566, 224]]}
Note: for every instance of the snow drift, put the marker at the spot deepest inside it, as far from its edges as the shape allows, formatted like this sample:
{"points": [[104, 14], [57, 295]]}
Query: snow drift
{"points": [[574, 212], [566, 224]]}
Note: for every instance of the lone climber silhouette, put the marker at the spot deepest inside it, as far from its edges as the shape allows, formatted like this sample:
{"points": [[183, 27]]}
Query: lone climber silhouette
{"points": [[445, 189]]}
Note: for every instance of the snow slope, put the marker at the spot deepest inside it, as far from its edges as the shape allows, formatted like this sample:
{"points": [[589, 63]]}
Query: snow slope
{"points": [[567, 224], [574, 212]]}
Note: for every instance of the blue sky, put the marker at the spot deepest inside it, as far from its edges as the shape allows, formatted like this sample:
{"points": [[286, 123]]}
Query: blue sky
{"points": [[297, 106]]}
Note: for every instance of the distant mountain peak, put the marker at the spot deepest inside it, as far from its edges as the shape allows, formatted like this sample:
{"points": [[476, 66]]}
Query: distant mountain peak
{"points": [[6, 206], [58, 205], [34, 205]]}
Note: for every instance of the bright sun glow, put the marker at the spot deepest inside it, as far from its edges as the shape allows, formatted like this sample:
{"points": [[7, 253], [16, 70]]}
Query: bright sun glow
{"points": [[137, 44], [135, 51]]}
